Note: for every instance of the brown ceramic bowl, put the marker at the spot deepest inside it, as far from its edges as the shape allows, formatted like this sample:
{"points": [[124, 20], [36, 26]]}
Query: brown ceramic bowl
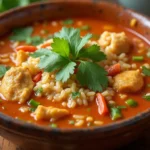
{"points": [[30, 137]]}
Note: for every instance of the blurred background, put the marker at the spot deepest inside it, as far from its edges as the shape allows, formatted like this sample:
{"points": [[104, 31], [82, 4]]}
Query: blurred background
{"points": [[142, 6]]}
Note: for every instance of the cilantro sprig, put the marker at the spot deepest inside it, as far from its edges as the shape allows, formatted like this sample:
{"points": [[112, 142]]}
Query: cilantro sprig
{"points": [[69, 52], [3, 70]]}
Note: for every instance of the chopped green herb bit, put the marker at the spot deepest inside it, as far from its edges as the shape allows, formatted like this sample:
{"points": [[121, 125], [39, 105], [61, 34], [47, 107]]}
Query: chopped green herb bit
{"points": [[121, 107], [53, 125], [3, 70], [71, 122], [137, 58], [112, 104], [35, 40], [32, 109], [75, 95], [95, 36], [131, 103], [68, 22], [148, 85], [39, 91], [147, 97], [34, 103], [115, 113], [88, 109], [21, 34], [145, 71], [85, 27]]}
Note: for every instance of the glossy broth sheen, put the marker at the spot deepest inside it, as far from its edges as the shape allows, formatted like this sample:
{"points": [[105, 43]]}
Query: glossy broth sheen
{"points": [[97, 27]]}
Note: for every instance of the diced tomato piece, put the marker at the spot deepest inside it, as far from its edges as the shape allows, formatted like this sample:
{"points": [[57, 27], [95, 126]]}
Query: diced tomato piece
{"points": [[26, 48], [101, 103], [114, 69], [37, 77]]}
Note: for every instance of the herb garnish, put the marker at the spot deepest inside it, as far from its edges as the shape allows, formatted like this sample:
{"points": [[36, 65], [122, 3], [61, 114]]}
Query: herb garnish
{"points": [[147, 97], [21, 34], [24, 35], [68, 22], [3, 70], [145, 71], [75, 95], [67, 51], [39, 91], [85, 27]]}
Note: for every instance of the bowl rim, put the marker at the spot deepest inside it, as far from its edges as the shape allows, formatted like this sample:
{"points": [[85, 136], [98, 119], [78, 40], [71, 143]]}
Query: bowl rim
{"points": [[5, 119]]}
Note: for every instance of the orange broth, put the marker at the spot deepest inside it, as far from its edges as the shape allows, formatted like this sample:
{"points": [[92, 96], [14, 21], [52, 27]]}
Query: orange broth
{"points": [[97, 27]]}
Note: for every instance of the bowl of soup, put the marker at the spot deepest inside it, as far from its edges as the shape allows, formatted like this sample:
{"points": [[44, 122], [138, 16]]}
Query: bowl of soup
{"points": [[74, 75]]}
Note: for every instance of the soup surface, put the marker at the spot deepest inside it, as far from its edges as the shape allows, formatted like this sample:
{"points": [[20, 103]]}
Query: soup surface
{"points": [[74, 73]]}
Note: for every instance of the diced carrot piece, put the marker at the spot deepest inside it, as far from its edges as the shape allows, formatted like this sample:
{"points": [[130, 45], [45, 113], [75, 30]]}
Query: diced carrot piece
{"points": [[37, 77], [101, 103], [114, 70], [26, 48]]}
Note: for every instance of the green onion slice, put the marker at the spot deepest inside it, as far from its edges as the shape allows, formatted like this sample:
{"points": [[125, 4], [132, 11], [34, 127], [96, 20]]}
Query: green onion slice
{"points": [[131, 102], [115, 113], [53, 125], [147, 97], [34, 103], [137, 58]]}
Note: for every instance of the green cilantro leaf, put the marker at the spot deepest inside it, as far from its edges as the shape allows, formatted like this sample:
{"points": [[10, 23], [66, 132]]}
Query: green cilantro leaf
{"points": [[145, 71], [75, 95], [21, 34], [61, 47], [67, 50], [3, 70], [35, 40], [52, 62], [73, 37], [64, 74], [93, 52], [92, 75], [68, 22], [49, 60]]}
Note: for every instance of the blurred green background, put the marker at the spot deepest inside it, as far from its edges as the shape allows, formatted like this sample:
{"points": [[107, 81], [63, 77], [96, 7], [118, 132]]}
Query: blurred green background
{"points": [[142, 6], [8, 4]]}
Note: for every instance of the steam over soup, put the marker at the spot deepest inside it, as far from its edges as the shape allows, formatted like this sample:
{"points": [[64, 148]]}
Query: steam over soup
{"points": [[73, 73]]}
